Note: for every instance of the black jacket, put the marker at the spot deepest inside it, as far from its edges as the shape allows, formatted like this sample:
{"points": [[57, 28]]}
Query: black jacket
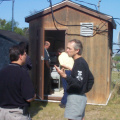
{"points": [[81, 79]]}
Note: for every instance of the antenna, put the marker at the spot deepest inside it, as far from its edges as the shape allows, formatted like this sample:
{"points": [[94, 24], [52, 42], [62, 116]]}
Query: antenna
{"points": [[12, 12], [99, 5], [12, 15]]}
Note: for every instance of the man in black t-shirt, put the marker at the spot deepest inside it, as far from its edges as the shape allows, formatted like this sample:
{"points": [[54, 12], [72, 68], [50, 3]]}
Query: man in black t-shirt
{"points": [[78, 83], [16, 89]]}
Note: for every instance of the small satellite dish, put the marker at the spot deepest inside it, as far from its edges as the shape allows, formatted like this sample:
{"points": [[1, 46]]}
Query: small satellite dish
{"points": [[119, 39]]}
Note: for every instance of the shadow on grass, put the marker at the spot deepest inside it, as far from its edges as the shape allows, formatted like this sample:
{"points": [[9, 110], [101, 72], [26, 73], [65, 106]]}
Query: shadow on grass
{"points": [[36, 106]]}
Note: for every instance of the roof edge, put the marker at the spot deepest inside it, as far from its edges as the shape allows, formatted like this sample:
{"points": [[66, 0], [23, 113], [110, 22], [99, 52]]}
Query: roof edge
{"points": [[67, 3], [9, 39]]}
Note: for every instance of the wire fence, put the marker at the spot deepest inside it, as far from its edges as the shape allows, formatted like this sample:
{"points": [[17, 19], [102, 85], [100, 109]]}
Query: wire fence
{"points": [[115, 77]]}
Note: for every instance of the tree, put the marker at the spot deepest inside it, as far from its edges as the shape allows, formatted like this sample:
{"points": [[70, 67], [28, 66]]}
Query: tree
{"points": [[33, 12], [116, 58], [18, 30], [26, 32], [118, 66], [4, 25]]}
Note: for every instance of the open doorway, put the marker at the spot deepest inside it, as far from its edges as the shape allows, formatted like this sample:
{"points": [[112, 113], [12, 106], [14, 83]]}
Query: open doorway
{"points": [[57, 40]]}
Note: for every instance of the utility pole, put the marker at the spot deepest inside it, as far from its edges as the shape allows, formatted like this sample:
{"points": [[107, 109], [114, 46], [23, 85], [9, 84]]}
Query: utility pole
{"points": [[99, 5], [12, 15]]}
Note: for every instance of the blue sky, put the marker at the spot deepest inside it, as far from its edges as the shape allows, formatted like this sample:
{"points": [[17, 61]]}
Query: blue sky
{"points": [[23, 8]]}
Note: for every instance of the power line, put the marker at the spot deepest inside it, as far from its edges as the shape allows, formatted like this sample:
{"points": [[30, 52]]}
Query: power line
{"points": [[116, 44], [106, 22], [88, 3], [64, 24], [98, 31]]}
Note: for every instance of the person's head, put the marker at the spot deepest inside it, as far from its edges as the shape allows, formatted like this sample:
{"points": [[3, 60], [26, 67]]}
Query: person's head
{"points": [[74, 48], [17, 54], [46, 44], [60, 50], [24, 45]]}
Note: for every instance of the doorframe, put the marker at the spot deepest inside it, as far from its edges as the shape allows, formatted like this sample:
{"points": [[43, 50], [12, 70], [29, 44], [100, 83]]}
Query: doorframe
{"points": [[49, 97], [40, 65]]}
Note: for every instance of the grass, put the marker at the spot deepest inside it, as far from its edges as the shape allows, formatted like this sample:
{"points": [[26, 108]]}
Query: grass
{"points": [[46, 111], [52, 111]]}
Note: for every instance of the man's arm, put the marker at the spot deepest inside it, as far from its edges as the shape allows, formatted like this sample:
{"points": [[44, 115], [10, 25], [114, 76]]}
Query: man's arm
{"points": [[90, 82], [30, 100], [47, 63], [79, 75], [46, 59], [27, 89], [61, 71]]}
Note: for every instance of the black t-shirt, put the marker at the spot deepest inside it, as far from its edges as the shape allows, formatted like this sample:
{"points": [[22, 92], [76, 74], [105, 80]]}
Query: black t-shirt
{"points": [[15, 87], [80, 74]]}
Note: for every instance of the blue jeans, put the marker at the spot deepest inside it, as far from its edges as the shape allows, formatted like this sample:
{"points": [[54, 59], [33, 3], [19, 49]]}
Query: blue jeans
{"points": [[64, 83]]}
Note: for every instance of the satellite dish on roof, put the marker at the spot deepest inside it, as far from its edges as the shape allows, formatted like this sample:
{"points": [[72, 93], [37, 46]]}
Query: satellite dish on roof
{"points": [[119, 39]]}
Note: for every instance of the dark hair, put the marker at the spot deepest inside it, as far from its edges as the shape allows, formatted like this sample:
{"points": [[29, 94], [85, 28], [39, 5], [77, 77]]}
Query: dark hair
{"points": [[61, 50], [24, 45], [15, 51], [77, 46]]}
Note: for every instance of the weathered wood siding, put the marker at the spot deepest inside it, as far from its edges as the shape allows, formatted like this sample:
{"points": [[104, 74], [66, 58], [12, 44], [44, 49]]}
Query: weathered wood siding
{"points": [[97, 50]]}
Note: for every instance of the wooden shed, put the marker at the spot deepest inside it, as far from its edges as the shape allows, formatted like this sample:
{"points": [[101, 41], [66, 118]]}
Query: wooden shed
{"points": [[8, 39], [73, 21]]}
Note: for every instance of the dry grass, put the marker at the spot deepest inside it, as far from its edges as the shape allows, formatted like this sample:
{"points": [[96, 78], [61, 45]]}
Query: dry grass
{"points": [[109, 112], [46, 111], [52, 111]]}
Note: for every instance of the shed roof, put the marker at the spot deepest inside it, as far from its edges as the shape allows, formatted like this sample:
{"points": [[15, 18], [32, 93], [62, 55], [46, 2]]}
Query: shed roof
{"points": [[73, 5], [12, 36]]}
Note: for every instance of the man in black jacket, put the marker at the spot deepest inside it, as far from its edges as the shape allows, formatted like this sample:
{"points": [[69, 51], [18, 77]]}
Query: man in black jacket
{"points": [[28, 64], [80, 82], [16, 89]]}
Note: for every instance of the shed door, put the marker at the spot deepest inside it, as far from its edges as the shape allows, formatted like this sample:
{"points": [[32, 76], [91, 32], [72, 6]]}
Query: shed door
{"points": [[40, 63]]}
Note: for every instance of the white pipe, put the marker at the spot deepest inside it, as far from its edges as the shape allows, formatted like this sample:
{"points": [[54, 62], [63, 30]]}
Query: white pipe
{"points": [[101, 104], [47, 100], [87, 103]]}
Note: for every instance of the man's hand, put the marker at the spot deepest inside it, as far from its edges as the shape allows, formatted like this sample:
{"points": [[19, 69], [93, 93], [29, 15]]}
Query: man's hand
{"points": [[30, 100], [67, 67], [61, 72]]}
